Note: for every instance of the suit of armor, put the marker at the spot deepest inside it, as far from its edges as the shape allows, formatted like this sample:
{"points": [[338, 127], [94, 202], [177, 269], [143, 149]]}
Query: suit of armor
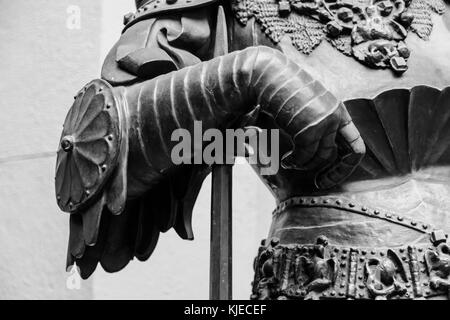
{"points": [[362, 193]]}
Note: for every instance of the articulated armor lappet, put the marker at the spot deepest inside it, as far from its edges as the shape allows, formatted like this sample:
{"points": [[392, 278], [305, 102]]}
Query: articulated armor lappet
{"points": [[362, 191]]}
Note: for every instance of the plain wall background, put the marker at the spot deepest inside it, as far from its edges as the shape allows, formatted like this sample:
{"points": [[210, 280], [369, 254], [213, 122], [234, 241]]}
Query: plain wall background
{"points": [[43, 63]]}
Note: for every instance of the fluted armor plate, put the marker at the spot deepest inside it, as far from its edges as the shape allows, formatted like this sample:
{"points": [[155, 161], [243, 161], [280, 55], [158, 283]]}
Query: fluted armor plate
{"points": [[89, 146]]}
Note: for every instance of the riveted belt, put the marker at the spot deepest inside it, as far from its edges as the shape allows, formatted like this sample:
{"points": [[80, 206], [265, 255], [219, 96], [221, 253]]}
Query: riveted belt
{"points": [[323, 271], [354, 207]]}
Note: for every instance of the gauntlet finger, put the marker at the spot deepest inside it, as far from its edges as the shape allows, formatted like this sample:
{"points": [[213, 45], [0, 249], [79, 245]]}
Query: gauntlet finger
{"points": [[354, 145], [326, 152], [298, 157], [350, 140]]}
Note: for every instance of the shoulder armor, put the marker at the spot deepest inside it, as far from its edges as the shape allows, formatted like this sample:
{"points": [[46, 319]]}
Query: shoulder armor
{"points": [[152, 8]]}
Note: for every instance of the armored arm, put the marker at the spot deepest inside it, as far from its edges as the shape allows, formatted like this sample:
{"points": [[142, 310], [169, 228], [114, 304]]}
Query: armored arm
{"points": [[220, 91], [109, 127]]}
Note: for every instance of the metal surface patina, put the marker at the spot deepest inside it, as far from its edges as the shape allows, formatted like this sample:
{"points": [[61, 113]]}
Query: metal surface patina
{"points": [[363, 191], [372, 31], [320, 271]]}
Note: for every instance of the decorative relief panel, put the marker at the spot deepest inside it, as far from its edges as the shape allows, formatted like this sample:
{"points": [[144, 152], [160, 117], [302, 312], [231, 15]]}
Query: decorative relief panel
{"points": [[321, 271], [371, 31]]}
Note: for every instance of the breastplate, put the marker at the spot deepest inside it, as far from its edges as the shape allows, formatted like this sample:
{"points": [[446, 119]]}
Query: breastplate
{"points": [[372, 236]]}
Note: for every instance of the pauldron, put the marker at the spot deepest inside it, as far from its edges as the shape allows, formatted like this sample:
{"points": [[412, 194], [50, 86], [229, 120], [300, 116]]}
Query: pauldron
{"points": [[152, 8], [371, 31], [326, 271]]}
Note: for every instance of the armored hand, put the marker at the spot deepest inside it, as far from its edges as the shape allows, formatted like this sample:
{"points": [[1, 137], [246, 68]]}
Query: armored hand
{"points": [[108, 126]]}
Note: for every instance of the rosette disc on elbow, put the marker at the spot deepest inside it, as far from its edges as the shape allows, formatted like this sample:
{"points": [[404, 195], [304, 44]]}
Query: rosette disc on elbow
{"points": [[89, 146]]}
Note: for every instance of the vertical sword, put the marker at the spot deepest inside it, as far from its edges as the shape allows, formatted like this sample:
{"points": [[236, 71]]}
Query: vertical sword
{"points": [[220, 287], [221, 233]]}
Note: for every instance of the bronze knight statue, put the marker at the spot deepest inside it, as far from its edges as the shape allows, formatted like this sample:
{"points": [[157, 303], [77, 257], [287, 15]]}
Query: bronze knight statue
{"points": [[358, 90]]}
